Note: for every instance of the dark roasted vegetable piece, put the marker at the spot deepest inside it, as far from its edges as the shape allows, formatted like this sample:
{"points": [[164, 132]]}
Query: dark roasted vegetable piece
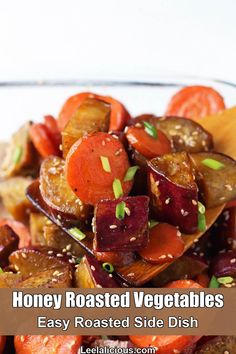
{"points": [[56, 238], [173, 191], [217, 345], [89, 274], [224, 264], [185, 134], [38, 259], [8, 243], [12, 193], [216, 177], [224, 236], [129, 233], [186, 267], [56, 191], [21, 157], [59, 277], [91, 116], [37, 223]]}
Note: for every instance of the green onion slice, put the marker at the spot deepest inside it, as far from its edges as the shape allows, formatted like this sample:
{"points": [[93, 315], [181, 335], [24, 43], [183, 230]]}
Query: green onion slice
{"points": [[108, 267], [120, 210], [117, 188], [225, 280], [214, 284], [201, 208], [152, 223], [78, 260], [105, 163], [17, 154], [74, 231], [201, 222], [150, 129], [130, 173], [213, 164], [1, 271]]}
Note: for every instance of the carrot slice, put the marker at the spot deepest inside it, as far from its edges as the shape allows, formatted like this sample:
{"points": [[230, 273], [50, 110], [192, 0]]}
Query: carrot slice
{"points": [[116, 258], [195, 102], [165, 344], [183, 284], [165, 244], [147, 145], [20, 229], [47, 344], [2, 343], [42, 141], [85, 172], [53, 130], [119, 115]]}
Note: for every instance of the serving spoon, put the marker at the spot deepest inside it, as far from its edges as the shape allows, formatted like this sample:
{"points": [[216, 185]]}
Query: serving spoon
{"points": [[137, 273]]}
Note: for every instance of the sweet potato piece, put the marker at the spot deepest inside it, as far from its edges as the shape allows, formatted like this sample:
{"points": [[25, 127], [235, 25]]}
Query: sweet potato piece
{"points": [[89, 274], [92, 116], [186, 267], [173, 191], [56, 191], [217, 345], [29, 261], [21, 157], [185, 134], [36, 224], [8, 243], [128, 234], [59, 277], [12, 193], [9, 280], [217, 186], [56, 238]]}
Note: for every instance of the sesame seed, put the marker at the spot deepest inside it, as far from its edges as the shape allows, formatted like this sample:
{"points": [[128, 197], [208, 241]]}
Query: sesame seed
{"points": [[22, 338], [233, 260], [184, 212], [127, 211], [157, 183], [162, 257], [103, 143], [55, 273], [45, 340], [115, 136], [176, 351], [60, 147], [68, 247], [170, 256], [179, 233], [59, 255], [130, 275], [138, 125], [132, 239], [64, 250], [126, 129], [194, 202], [113, 227], [92, 268], [24, 255], [99, 286], [110, 276], [229, 187], [167, 201]]}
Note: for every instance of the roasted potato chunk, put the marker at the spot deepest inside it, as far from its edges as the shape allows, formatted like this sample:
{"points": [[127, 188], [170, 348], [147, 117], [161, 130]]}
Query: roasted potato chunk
{"points": [[92, 116], [21, 157], [9, 280], [12, 193], [59, 277], [37, 223], [216, 177], [173, 191], [8, 243], [57, 193]]}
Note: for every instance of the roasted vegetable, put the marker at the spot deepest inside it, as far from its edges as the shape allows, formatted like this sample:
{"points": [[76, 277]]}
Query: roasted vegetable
{"points": [[94, 164], [216, 177], [57, 193], [126, 230], [59, 277], [21, 157], [20, 229], [29, 261], [9, 279], [217, 345], [225, 233], [173, 191], [186, 267], [89, 274], [12, 193], [115, 258], [224, 264], [8, 243], [55, 238], [36, 223], [91, 116], [165, 244]]}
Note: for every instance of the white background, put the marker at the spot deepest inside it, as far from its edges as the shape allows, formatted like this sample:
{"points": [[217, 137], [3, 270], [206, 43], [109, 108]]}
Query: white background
{"points": [[68, 39]]}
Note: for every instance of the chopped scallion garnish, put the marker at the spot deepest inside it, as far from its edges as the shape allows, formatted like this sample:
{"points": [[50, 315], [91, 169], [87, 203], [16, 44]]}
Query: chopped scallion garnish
{"points": [[225, 280], [17, 154], [213, 164], [78, 260], [201, 222], [120, 210], [150, 129], [214, 284], [108, 267], [152, 223], [130, 173], [117, 188], [74, 231], [105, 163], [201, 208], [1, 271]]}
